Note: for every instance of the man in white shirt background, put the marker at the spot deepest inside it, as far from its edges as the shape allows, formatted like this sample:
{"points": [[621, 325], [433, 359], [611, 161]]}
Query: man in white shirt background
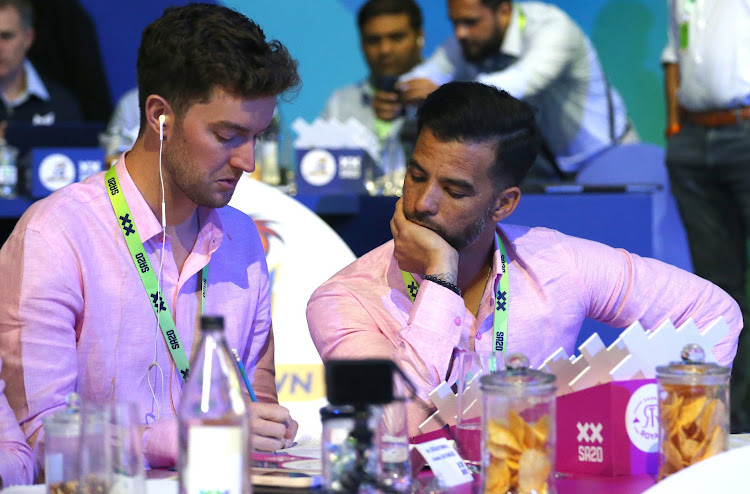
{"points": [[707, 79], [537, 53]]}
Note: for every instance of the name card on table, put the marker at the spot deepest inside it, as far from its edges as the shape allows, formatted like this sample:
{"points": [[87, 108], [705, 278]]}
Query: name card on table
{"points": [[332, 171], [445, 463], [54, 168]]}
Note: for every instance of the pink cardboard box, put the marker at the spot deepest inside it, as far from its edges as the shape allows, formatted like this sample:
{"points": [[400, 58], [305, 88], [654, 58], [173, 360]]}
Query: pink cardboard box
{"points": [[609, 430]]}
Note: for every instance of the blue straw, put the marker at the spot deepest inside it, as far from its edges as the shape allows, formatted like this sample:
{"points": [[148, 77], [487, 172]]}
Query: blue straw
{"points": [[244, 374]]}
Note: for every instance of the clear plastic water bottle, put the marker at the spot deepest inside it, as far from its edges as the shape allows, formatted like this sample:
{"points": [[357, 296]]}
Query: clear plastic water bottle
{"points": [[8, 170], [214, 429]]}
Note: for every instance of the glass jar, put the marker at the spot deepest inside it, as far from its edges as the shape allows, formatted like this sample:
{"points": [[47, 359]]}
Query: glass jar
{"points": [[693, 410], [347, 461], [338, 451], [62, 434], [518, 429]]}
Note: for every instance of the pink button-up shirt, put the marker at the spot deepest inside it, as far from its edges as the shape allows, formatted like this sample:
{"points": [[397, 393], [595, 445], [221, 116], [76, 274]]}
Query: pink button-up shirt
{"points": [[16, 460], [556, 281], [74, 315]]}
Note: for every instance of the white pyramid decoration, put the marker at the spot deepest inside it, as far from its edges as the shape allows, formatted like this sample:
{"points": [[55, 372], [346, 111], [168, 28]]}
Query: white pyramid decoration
{"points": [[635, 354]]}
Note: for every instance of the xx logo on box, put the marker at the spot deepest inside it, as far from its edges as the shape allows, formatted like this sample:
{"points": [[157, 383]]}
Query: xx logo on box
{"points": [[350, 167], [591, 434]]}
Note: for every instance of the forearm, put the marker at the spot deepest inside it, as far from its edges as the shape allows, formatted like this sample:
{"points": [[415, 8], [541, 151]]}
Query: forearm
{"points": [[263, 377], [671, 85], [637, 289], [16, 464], [16, 458], [160, 443], [421, 341]]}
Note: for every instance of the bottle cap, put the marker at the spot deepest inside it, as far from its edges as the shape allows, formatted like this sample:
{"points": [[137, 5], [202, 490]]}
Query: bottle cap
{"points": [[212, 322]]}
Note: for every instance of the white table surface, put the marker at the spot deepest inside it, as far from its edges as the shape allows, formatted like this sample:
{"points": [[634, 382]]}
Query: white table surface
{"points": [[716, 473]]}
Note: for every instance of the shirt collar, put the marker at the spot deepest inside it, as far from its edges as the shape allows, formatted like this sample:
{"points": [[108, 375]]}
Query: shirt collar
{"points": [[34, 86], [496, 263], [211, 230], [368, 91], [512, 41]]}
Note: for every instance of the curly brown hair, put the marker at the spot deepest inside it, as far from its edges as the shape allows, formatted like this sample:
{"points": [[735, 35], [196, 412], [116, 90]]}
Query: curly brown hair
{"points": [[192, 50]]}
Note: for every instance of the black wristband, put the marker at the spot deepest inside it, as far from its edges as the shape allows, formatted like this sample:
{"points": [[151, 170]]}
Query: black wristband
{"points": [[447, 284]]}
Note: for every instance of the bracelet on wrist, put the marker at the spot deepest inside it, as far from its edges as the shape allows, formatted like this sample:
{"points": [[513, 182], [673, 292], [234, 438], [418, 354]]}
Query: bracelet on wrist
{"points": [[673, 129], [447, 284]]}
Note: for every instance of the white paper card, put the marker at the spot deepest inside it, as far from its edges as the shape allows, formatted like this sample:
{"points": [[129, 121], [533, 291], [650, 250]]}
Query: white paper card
{"points": [[445, 463]]}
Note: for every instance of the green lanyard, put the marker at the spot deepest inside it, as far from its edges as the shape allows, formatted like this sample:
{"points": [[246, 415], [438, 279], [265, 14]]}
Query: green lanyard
{"points": [[521, 19], [150, 283], [501, 300], [684, 24], [382, 129]]}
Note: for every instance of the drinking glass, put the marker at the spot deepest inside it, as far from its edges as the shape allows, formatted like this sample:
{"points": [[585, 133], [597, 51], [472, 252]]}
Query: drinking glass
{"points": [[127, 455], [471, 366], [95, 453], [393, 447]]}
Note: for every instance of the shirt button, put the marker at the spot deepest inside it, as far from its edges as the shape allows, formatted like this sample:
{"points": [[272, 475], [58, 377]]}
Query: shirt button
{"points": [[458, 321]]}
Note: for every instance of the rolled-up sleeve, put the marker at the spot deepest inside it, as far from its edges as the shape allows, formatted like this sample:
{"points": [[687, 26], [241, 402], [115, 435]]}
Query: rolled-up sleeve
{"points": [[16, 459], [345, 324]]}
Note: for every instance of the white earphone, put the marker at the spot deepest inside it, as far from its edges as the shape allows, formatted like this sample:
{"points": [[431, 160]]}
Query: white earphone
{"points": [[161, 127], [155, 364]]}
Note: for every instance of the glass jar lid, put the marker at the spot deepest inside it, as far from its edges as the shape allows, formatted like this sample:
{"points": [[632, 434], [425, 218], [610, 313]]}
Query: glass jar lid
{"points": [[65, 422], [331, 412], [692, 365], [518, 375]]}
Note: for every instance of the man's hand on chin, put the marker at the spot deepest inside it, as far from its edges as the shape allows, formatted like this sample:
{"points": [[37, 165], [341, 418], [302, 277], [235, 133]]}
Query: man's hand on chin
{"points": [[273, 428], [420, 250]]}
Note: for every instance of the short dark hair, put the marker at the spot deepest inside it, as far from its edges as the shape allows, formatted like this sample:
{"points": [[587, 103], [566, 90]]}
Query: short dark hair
{"points": [[493, 4], [192, 50], [375, 8], [475, 112], [24, 8]]}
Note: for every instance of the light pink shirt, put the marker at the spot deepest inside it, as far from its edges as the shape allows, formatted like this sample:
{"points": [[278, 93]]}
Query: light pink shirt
{"points": [[16, 460], [74, 315], [556, 281]]}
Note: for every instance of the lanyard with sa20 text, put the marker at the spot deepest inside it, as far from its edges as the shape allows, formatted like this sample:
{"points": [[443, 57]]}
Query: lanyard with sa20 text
{"points": [[150, 282], [501, 300]]}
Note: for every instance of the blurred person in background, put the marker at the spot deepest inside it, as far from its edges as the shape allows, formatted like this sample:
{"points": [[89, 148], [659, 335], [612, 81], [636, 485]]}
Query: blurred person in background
{"points": [[66, 49], [707, 81], [537, 53], [27, 95], [391, 39]]}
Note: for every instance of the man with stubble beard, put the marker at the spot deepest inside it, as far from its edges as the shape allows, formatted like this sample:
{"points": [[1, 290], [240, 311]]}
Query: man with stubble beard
{"points": [[104, 282], [457, 277]]}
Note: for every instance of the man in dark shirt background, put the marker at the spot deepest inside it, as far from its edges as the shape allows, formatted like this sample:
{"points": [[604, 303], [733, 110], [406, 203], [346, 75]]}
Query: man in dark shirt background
{"points": [[66, 49], [26, 95]]}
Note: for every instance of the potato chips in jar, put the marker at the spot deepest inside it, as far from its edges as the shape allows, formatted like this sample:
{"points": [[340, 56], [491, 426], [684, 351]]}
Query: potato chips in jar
{"points": [[693, 411], [518, 430]]}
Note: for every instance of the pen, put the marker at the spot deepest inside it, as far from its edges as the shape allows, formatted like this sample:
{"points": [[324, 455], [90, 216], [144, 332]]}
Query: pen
{"points": [[244, 374]]}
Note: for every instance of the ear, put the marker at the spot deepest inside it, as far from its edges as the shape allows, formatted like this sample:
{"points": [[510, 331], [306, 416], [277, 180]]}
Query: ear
{"points": [[503, 15], [29, 36], [506, 203], [155, 107]]}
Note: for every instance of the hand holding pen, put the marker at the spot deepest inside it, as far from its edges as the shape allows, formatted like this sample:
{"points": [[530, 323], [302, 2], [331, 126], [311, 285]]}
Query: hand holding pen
{"points": [[272, 426]]}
